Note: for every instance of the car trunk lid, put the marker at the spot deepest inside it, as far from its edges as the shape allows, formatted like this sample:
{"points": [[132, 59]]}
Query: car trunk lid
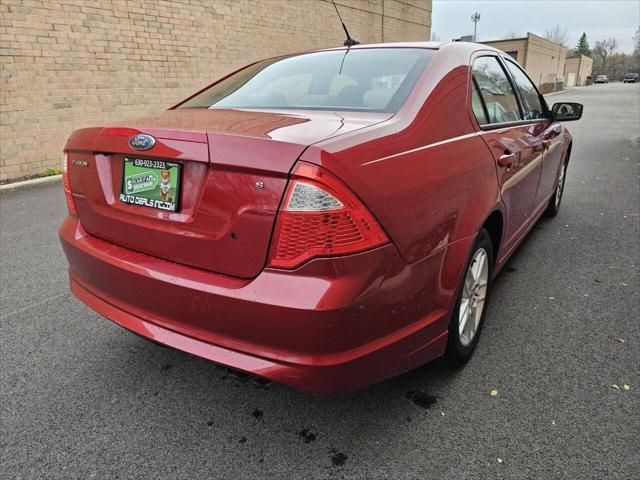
{"points": [[234, 169]]}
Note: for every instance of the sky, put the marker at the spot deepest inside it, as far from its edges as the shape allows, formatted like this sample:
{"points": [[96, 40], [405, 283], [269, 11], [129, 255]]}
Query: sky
{"points": [[600, 19]]}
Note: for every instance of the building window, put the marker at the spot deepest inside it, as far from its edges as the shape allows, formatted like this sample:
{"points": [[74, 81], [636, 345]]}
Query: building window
{"points": [[513, 55]]}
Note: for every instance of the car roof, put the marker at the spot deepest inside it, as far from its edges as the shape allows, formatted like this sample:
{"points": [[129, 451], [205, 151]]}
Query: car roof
{"points": [[432, 45], [455, 48]]}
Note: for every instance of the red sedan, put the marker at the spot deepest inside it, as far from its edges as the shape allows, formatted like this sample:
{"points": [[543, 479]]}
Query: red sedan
{"points": [[326, 219]]}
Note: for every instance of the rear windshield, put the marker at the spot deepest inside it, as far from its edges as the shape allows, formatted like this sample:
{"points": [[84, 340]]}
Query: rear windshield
{"points": [[371, 80]]}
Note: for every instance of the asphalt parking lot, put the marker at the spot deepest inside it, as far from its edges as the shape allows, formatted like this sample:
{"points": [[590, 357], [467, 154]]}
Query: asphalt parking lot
{"points": [[82, 398]]}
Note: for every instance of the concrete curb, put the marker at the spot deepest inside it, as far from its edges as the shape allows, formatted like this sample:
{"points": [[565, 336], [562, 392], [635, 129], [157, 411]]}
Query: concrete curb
{"points": [[565, 90], [30, 183]]}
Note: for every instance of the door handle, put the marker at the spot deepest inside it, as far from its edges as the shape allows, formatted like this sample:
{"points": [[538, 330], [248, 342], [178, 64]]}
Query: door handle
{"points": [[553, 132], [556, 130], [507, 159]]}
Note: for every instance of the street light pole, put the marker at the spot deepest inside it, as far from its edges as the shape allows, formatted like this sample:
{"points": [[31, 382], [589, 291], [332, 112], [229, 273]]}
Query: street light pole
{"points": [[475, 18]]}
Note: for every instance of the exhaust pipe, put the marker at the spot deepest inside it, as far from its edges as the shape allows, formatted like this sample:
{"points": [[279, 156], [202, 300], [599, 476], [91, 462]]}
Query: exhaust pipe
{"points": [[258, 382]]}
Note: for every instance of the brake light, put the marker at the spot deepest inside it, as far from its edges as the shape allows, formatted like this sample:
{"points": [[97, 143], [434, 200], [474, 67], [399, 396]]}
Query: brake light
{"points": [[71, 204], [321, 217]]}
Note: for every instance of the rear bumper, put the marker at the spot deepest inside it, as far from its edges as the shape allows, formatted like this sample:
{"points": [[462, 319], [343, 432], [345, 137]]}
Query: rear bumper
{"points": [[333, 325]]}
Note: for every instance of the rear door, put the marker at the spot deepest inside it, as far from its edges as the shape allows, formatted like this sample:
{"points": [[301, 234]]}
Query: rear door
{"points": [[536, 111], [515, 142]]}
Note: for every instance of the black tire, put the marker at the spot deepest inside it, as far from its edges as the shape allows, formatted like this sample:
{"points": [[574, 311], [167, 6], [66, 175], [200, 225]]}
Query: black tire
{"points": [[556, 199], [457, 354]]}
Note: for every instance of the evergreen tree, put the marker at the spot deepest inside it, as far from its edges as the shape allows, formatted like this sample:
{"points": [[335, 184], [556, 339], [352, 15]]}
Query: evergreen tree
{"points": [[583, 46]]}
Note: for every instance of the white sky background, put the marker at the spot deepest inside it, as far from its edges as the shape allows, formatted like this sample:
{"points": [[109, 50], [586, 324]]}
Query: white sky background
{"points": [[600, 19]]}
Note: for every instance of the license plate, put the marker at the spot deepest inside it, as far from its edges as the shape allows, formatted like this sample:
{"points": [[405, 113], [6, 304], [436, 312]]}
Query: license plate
{"points": [[151, 183]]}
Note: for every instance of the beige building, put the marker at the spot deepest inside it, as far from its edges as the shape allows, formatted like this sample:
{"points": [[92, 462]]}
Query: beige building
{"points": [[68, 64], [542, 59], [577, 70]]}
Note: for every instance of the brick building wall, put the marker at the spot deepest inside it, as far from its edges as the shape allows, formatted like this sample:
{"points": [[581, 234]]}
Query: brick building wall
{"points": [[68, 64]]}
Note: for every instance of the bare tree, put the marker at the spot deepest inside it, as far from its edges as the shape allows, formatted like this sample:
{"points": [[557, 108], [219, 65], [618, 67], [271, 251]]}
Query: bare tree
{"points": [[557, 35], [620, 64], [602, 54], [512, 34]]}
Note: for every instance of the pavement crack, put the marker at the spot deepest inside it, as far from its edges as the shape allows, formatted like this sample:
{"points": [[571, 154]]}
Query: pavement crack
{"points": [[34, 305]]}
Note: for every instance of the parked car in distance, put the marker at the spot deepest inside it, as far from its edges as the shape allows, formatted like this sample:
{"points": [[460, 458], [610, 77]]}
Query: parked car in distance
{"points": [[631, 78], [601, 79], [327, 219]]}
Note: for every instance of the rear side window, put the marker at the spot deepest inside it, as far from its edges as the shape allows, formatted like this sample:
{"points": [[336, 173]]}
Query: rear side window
{"points": [[495, 90], [533, 108], [476, 105], [368, 79]]}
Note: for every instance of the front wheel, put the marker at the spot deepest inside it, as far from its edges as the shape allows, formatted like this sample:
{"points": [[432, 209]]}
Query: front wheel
{"points": [[471, 303], [554, 202]]}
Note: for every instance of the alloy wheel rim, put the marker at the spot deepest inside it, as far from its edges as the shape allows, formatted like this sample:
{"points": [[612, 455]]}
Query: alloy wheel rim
{"points": [[474, 294], [560, 187]]}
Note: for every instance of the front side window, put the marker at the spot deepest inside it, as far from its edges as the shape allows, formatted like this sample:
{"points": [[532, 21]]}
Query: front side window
{"points": [[377, 80], [495, 90], [533, 108]]}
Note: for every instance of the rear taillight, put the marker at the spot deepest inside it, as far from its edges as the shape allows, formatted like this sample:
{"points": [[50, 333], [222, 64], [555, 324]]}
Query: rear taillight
{"points": [[71, 204], [321, 217]]}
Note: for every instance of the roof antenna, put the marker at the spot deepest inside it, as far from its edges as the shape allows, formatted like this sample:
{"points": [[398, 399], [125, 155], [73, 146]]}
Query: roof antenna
{"points": [[349, 41]]}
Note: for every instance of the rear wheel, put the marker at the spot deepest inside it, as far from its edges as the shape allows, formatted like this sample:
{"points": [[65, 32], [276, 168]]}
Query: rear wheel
{"points": [[554, 202], [471, 303]]}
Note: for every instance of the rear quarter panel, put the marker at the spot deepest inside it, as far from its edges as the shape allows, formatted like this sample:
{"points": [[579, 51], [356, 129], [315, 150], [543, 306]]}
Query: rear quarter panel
{"points": [[426, 175]]}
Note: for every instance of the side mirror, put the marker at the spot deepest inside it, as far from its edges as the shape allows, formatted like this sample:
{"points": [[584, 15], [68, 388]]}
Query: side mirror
{"points": [[566, 111]]}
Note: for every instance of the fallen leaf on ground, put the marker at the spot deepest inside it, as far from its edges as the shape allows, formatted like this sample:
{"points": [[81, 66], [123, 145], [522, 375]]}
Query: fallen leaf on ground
{"points": [[499, 460], [615, 386], [493, 393], [626, 387], [620, 339]]}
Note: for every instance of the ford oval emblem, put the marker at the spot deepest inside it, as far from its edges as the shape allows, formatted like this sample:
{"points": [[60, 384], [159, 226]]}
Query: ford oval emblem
{"points": [[142, 142]]}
